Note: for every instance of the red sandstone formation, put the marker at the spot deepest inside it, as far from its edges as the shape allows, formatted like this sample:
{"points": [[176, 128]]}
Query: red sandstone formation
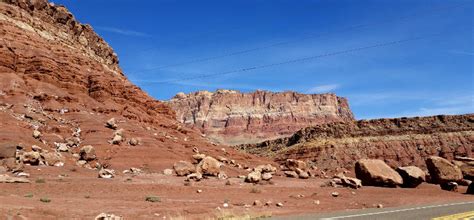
{"points": [[399, 142], [231, 117], [58, 75]]}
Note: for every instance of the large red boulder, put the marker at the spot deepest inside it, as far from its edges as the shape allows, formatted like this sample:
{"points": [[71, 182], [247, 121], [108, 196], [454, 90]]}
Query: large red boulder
{"points": [[412, 176], [442, 171], [377, 173]]}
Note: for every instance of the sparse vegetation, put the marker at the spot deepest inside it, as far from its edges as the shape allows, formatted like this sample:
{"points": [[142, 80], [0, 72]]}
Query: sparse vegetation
{"points": [[29, 195], [255, 190], [230, 215], [40, 180], [45, 200], [153, 199]]}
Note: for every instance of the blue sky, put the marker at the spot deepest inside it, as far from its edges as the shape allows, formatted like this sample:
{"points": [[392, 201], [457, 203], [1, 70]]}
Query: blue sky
{"points": [[430, 74]]}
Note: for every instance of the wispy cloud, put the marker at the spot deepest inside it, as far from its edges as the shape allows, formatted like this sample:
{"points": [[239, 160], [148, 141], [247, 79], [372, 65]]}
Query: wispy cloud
{"points": [[462, 52], [323, 88], [448, 105], [123, 31]]}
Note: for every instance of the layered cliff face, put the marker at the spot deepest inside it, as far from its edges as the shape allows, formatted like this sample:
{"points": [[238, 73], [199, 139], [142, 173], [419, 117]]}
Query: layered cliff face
{"points": [[400, 141], [231, 117], [60, 78]]}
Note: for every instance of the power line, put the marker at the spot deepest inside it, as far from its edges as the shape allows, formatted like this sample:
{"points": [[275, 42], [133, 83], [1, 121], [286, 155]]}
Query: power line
{"points": [[346, 29], [303, 59]]}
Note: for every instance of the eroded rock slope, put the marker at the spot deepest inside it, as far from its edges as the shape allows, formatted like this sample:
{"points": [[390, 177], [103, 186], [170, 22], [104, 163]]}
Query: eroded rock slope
{"points": [[399, 142], [60, 82]]}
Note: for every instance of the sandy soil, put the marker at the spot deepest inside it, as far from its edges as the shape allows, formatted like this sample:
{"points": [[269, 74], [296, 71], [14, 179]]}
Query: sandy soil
{"points": [[79, 194]]}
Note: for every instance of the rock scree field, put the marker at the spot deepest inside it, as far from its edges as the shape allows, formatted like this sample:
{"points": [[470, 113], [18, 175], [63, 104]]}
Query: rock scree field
{"points": [[79, 141]]}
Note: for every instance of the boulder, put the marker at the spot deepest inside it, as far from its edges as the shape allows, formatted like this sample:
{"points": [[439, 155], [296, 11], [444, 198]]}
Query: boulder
{"points": [[183, 168], [253, 177], [106, 216], [73, 141], [117, 139], [265, 169], [302, 174], [168, 172], [412, 176], [194, 176], [133, 142], [267, 176], [291, 174], [449, 186], [111, 123], [470, 189], [52, 158], [377, 173], [11, 164], [442, 171], [106, 173], [292, 164], [7, 150], [36, 148], [8, 179], [36, 134], [32, 158], [87, 153], [198, 157], [351, 182], [467, 167], [222, 175], [209, 166], [62, 147]]}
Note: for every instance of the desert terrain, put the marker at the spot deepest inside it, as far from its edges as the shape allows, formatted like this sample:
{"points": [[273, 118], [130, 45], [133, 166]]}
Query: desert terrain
{"points": [[79, 141]]}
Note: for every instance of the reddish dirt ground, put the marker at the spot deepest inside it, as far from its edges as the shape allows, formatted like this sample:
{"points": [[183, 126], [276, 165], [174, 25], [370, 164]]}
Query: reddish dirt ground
{"points": [[81, 195]]}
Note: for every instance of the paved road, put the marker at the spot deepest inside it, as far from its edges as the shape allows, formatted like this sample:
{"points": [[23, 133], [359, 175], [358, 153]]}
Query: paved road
{"points": [[464, 210]]}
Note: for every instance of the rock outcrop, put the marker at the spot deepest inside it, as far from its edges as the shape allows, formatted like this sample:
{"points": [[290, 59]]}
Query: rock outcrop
{"points": [[231, 117], [398, 142]]}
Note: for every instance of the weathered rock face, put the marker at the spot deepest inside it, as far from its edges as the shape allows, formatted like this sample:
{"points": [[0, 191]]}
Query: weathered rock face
{"points": [[231, 117], [42, 42], [399, 142]]}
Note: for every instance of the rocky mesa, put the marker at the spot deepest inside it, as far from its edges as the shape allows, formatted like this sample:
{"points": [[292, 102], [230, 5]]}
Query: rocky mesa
{"points": [[231, 117]]}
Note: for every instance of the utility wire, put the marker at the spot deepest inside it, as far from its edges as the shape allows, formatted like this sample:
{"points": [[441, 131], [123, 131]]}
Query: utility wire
{"points": [[342, 30], [303, 59]]}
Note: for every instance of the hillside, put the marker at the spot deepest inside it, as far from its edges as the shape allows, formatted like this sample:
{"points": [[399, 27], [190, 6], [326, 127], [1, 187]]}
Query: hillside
{"points": [[58, 76], [399, 141]]}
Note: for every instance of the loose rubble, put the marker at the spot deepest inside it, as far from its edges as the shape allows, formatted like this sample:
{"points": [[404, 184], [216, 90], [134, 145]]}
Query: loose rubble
{"points": [[261, 172]]}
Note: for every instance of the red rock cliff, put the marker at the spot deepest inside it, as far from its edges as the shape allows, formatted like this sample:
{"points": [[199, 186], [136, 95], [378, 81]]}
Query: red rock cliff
{"points": [[399, 141], [231, 117]]}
